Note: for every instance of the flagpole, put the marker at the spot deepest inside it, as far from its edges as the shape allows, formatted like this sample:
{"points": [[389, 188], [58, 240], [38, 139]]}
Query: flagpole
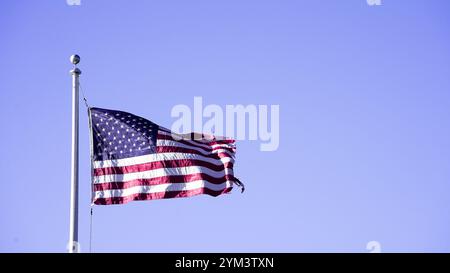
{"points": [[73, 237]]}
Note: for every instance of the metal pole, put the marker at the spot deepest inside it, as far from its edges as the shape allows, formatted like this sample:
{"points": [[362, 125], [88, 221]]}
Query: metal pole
{"points": [[73, 237]]}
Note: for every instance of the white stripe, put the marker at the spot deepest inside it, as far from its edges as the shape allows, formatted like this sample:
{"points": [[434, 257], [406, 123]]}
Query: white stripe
{"points": [[162, 188], [157, 157], [196, 142], [159, 173], [225, 145], [185, 138], [171, 143]]}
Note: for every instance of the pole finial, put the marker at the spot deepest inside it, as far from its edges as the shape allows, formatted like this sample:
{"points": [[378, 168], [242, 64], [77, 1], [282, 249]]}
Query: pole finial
{"points": [[75, 59]]}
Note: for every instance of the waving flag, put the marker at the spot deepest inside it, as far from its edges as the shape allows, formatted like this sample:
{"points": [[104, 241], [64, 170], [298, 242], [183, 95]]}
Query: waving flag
{"points": [[135, 159]]}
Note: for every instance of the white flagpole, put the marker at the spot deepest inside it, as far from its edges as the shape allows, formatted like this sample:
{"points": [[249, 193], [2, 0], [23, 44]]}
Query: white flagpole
{"points": [[73, 237]]}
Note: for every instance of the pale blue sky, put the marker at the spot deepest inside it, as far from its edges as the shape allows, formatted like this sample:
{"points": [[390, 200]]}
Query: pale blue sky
{"points": [[364, 95]]}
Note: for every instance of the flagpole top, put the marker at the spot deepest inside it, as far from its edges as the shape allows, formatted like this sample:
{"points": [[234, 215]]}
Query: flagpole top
{"points": [[75, 59]]}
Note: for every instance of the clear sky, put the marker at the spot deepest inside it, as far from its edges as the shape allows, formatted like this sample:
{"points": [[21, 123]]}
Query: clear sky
{"points": [[364, 95]]}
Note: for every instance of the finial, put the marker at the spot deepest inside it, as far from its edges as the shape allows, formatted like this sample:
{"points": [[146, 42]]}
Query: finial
{"points": [[75, 59]]}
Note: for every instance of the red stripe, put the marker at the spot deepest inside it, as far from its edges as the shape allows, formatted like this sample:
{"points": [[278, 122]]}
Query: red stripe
{"points": [[213, 141], [173, 149], [216, 142], [192, 143], [179, 163], [159, 195], [205, 139], [162, 180]]}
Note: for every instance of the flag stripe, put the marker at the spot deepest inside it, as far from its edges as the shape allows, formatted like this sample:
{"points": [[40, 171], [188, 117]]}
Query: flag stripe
{"points": [[172, 149], [173, 143], [206, 144], [162, 188], [162, 164], [162, 180], [159, 195], [161, 172], [224, 157]]}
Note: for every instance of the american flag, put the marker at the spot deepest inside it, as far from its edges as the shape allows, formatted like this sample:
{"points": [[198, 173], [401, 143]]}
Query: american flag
{"points": [[136, 159]]}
